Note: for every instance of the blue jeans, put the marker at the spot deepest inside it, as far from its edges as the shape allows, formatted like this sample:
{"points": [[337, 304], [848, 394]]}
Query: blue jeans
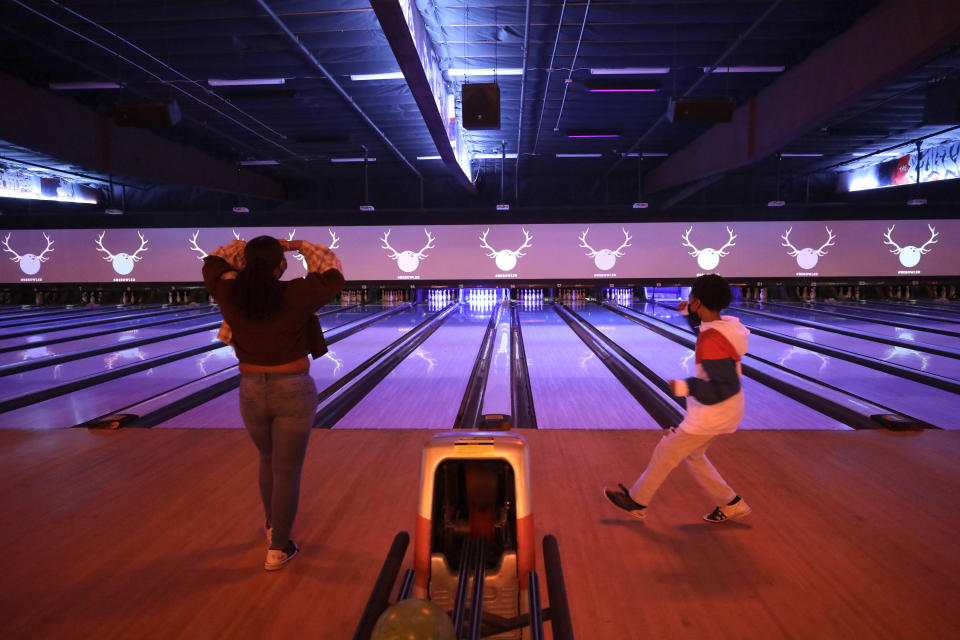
{"points": [[278, 411]]}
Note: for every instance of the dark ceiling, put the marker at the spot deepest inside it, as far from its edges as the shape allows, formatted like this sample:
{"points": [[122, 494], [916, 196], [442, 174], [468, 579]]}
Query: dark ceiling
{"points": [[848, 88]]}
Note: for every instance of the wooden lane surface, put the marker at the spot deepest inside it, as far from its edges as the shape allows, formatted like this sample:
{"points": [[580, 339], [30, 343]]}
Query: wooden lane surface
{"points": [[156, 534]]}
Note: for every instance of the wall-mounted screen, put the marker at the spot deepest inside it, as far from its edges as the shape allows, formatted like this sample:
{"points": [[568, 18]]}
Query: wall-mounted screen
{"points": [[508, 252]]}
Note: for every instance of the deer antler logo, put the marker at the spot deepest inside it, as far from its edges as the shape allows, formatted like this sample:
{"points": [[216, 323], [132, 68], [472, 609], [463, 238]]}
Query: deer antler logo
{"points": [[334, 239], [408, 261], [122, 262], [910, 256], [807, 258], [605, 259], [194, 247], [708, 258], [505, 258], [29, 263]]}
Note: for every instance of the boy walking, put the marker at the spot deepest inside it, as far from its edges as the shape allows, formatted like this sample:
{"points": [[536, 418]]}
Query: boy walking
{"points": [[714, 407]]}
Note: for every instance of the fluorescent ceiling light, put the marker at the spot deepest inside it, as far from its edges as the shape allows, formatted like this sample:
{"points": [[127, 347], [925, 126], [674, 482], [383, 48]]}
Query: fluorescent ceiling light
{"points": [[917, 202], [646, 155], [630, 71], [257, 163], [593, 134], [243, 82], [801, 155], [776, 203], [579, 155], [494, 156], [624, 90], [428, 157], [83, 86], [352, 159], [485, 72], [393, 75], [113, 212], [744, 69], [241, 210]]}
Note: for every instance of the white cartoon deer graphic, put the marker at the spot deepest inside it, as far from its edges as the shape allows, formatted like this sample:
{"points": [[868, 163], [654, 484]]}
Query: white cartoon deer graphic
{"points": [[29, 263], [708, 258], [605, 259], [807, 258], [506, 259], [122, 262], [910, 256], [407, 261]]}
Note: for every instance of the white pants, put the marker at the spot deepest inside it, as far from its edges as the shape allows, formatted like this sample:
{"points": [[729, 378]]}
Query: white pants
{"points": [[676, 446]]}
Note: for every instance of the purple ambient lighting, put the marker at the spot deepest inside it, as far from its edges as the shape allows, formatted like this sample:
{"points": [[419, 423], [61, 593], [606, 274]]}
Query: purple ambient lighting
{"points": [[593, 135]]}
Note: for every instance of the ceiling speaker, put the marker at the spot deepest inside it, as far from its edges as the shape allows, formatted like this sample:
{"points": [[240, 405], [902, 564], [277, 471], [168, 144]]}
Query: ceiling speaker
{"points": [[480, 105], [710, 111], [147, 115]]}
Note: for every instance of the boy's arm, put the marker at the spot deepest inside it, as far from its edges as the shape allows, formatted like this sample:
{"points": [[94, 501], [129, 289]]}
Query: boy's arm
{"points": [[719, 362], [724, 382]]}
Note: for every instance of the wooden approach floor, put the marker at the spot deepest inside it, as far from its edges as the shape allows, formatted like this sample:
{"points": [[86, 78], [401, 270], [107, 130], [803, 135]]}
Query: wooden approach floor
{"points": [[156, 534]]}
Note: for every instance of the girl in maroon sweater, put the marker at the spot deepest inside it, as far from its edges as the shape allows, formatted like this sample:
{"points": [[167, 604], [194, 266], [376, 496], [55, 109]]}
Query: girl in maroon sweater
{"points": [[272, 327]]}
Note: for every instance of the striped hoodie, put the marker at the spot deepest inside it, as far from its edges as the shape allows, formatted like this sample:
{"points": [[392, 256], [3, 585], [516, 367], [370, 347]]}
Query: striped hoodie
{"points": [[714, 396]]}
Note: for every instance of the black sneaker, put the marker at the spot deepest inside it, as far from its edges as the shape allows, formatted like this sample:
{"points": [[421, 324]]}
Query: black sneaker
{"points": [[620, 498], [729, 512]]}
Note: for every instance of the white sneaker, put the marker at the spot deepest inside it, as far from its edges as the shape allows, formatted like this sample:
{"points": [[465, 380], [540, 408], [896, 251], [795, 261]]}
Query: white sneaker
{"points": [[278, 558], [729, 512]]}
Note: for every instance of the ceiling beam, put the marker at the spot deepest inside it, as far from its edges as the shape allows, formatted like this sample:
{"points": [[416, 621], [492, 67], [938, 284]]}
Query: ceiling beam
{"points": [[70, 132], [895, 38], [395, 28]]}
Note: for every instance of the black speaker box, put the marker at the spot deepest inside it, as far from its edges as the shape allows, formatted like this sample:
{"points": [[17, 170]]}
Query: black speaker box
{"points": [[480, 105], [943, 103], [700, 110], [147, 115]]}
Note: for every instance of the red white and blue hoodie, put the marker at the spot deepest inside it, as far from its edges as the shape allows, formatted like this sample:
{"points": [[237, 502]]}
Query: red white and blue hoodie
{"points": [[714, 395]]}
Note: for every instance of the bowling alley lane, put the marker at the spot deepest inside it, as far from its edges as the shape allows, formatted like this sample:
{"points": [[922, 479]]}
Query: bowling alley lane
{"points": [[224, 411], [765, 407], [118, 338], [108, 397], [425, 390], [571, 388], [938, 407], [867, 313], [61, 333], [927, 362], [865, 326]]}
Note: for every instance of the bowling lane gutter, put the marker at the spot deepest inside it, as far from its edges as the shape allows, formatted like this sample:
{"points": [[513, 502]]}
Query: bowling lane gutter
{"points": [[850, 409], [68, 309], [180, 399], [87, 323], [521, 393], [37, 363], [392, 355], [652, 395], [94, 334], [939, 351], [468, 416], [862, 318], [933, 307]]}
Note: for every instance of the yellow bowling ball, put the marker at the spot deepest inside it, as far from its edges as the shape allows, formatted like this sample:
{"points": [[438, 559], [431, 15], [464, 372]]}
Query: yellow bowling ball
{"points": [[413, 619]]}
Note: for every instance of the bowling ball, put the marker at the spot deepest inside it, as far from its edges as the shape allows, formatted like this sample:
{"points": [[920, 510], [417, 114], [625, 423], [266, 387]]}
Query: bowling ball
{"points": [[413, 619]]}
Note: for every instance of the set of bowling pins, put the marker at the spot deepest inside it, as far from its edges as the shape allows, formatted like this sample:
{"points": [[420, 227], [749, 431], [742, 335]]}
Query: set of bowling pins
{"points": [[91, 297], [395, 295], [571, 294], [848, 293], [175, 297], [620, 295], [442, 296], [943, 292], [484, 296], [807, 293], [353, 296], [753, 293], [899, 293]]}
